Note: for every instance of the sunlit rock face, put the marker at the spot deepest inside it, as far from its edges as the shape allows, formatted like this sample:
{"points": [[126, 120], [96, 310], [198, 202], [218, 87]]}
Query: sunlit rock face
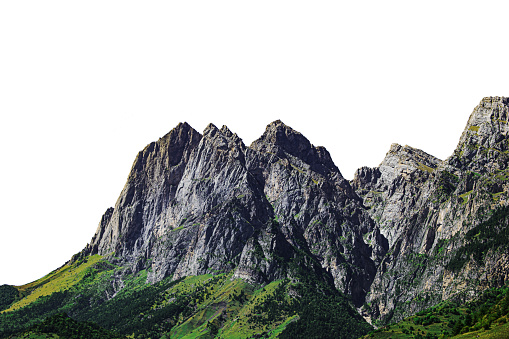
{"points": [[205, 203], [425, 207]]}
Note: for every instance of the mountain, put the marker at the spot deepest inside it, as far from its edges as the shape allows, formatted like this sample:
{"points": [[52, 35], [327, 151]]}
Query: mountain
{"points": [[213, 238], [198, 204], [444, 220]]}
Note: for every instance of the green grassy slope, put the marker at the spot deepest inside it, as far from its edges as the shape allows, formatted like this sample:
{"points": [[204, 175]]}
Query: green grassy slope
{"points": [[94, 291], [59, 280]]}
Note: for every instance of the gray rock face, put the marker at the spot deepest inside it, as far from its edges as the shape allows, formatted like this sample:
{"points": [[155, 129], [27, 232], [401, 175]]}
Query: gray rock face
{"points": [[196, 204], [207, 204], [393, 189], [151, 186], [483, 144], [424, 207]]}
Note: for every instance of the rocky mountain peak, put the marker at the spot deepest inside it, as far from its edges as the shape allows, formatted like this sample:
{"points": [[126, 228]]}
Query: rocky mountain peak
{"points": [[489, 108], [211, 128], [281, 140], [277, 133], [232, 136], [160, 166], [180, 134], [168, 150], [224, 141], [212, 133], [400, 162], [404, 160], [489, 117], [226, 131], [484, 138], [184, 126]]}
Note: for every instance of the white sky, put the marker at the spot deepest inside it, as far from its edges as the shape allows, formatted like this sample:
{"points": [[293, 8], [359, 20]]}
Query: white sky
{"points": [[85, 85]]}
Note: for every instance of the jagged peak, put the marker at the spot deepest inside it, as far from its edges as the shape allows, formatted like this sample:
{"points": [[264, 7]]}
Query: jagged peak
{"points": [[183, 125], [490, 116], [495, 99], [279, 134], [179, 130], [405, 160], [487, 129], [173, 144], [488, 110], [226, 131], [395, 146], [222, 138], [281, 139], [277, 123], [210, 130], [278, 126], [232, 136], [408, 154]]}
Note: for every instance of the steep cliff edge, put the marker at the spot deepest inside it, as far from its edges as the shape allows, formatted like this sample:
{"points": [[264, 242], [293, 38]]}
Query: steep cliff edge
{"points": [[151, 185], [393, 189], [205, 204], [427, 207]]}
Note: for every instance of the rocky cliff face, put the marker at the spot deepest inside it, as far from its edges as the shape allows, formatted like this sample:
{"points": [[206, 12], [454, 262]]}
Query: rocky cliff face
{"points": [[393, 189], [197, 204], [396, 239], [426, 207]]}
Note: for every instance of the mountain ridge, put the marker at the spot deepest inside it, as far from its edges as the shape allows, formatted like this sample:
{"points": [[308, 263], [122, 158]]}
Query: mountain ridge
{"points": [[404, 174], [395, 240]]}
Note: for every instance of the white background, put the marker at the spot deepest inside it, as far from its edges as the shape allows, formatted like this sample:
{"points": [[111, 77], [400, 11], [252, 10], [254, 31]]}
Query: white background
{"points": [[85, 85]]}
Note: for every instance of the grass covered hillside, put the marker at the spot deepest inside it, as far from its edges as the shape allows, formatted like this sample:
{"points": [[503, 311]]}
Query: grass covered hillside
{"points": [[89, 295]]}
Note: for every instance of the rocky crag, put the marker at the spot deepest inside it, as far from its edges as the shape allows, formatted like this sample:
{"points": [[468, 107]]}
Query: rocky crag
{"points": [[197, 204], [445, 220]]}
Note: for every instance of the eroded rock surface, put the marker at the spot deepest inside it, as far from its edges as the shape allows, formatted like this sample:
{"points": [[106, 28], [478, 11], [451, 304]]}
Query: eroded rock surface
{"points": [[197, 204], [425, 208]]}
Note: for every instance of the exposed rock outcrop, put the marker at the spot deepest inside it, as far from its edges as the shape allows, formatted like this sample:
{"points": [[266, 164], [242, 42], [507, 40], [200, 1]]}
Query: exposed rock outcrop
{"points": [[196, 204], [425, 207]]}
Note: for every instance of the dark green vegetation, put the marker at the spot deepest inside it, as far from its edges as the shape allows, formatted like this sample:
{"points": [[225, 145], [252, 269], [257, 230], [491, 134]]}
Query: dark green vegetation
{"points": [[492, 234], [203, 306], [65, 327], [486, 317], [323, 316], [446, 184], [8, 295]]}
